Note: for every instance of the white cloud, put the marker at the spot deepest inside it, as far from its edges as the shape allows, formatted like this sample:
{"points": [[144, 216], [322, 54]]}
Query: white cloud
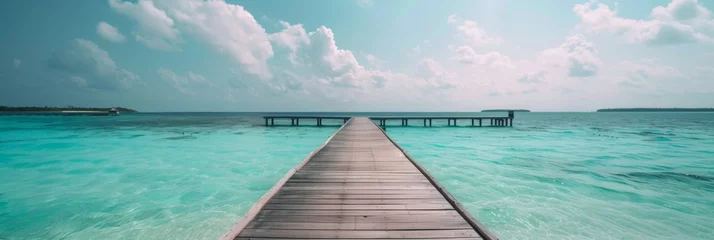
{"points": [[576, 54], [436, 75], [473, 34], [155, 28], [365, 3], [110, 33], [646, 73], [291, 37], [467, 55], [331, 64], [229, 28], [533, 77], [681, 10], [374, 61], [16, 63], [84, 60], [668, 25], [184, 84]]}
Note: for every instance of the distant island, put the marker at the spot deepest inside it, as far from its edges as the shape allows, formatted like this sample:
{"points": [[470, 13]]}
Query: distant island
{"points": [[656, 110], [506, 110], [60, 109]]}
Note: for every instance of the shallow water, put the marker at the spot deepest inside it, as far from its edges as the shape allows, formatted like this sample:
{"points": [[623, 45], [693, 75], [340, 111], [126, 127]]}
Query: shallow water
{"points": [[579, 176], [139, 176], [192, 176]]}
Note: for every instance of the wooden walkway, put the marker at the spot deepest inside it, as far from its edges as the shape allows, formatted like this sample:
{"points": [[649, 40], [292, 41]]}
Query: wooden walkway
{"points": [[358, 185]]}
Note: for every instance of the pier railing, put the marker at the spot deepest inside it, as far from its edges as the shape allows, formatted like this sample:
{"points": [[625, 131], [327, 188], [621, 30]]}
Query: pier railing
{"points": [[497, 121]]}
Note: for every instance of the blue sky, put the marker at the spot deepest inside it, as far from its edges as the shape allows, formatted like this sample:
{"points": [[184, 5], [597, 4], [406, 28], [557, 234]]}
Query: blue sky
{"points": [[401, 55]]}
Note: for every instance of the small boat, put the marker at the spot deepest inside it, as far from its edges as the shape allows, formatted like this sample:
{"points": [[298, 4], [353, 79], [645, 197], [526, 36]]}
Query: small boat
{"points": [[113, 112]]}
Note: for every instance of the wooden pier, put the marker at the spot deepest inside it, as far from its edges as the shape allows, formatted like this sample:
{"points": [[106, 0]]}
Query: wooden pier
{"points": [[295, 120], [382, 120], [358, 185], [451, 121]]}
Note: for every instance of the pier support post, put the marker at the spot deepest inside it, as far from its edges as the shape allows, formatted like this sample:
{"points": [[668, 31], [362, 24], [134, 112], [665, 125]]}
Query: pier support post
{"points": [[491, 121], [448, 122], [510, 116], [429, 122], [406, 122], [266, 122], [292, 122], [454, 122], [472, 122], [479, 122], [297, 122], [424, 122], [272, 121]]}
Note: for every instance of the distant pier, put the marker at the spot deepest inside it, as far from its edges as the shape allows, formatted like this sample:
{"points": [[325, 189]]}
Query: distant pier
{"points": [[295, 120], [476, 121], [358, 185]]}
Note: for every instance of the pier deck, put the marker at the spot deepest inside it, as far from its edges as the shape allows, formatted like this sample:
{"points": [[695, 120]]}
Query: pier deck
{"points": [[358, 185], [504, 121]]}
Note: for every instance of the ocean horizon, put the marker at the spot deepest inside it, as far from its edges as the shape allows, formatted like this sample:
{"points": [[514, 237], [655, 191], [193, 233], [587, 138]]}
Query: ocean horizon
{"points": [[193, 175]]}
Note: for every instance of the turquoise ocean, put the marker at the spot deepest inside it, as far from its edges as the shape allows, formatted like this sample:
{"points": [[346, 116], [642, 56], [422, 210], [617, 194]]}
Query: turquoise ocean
{"points": [[193, 175]]}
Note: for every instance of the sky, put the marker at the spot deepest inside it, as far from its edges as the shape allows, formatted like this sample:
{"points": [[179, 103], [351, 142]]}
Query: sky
{"points": [[357, 55]]}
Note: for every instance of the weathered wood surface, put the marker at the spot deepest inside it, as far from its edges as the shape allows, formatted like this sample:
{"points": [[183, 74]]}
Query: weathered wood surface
{"points": [[359, 185]]}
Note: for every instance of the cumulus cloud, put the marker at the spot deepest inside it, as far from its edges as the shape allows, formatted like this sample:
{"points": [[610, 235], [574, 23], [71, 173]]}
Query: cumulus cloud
{"points": [[374, 61], [335, 66], [229, 28], [91, 66], [681, 10], [673, 24], [533, 77], [642, 74], [184, 84], [16, 63], [110, 33], [576, 54], [470, 32], [286, 81], [467, 55], [155, 28], [292, 37], [436, 75]]}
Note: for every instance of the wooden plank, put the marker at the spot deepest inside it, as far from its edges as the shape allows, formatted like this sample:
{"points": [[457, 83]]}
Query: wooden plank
{"points": [[356, 180], [427, 192], [412, 218], [328, 201], [458, 224], [374, 207], [332, 234], [271, 238], [280, 213], [360, 196]]}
